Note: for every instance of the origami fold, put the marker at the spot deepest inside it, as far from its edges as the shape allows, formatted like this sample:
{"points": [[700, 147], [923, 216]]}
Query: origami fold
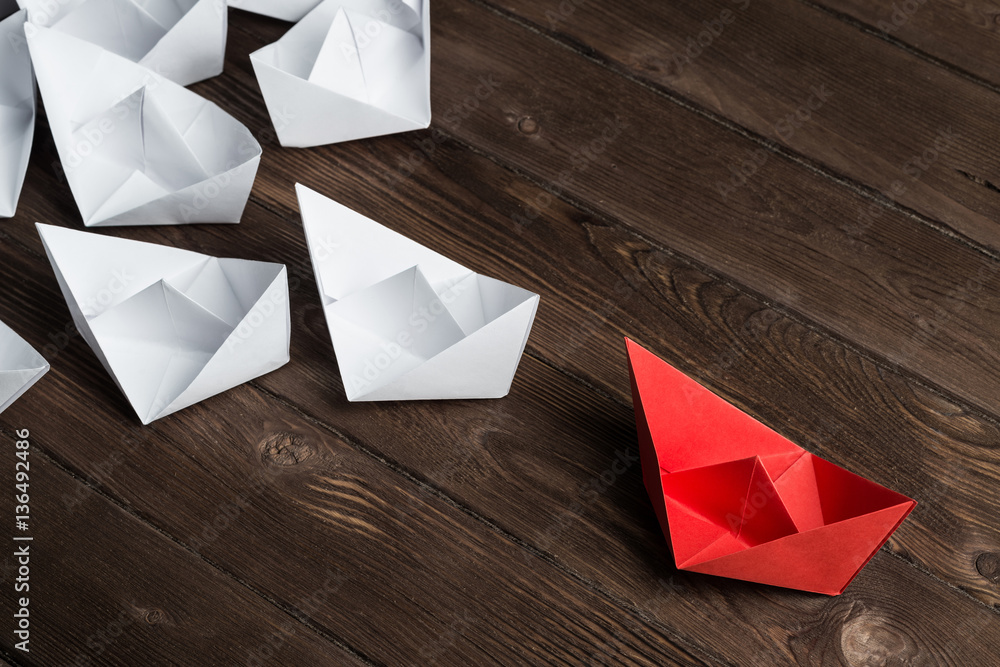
{"points": [[350, 69], [136, 148], [182, 40], [735, 499], [20, 366], [172, 327], [17, 111], [286, 10], [406, 322]]}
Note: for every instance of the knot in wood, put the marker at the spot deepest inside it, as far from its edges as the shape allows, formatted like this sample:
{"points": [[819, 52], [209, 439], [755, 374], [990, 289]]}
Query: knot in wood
{"points": [[154, 616], [528, 125], [868, 640], [284, 449], [988, 565]]}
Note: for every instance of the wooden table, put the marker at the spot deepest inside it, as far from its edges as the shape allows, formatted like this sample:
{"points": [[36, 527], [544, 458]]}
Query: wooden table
{"points": [[796, 202]]}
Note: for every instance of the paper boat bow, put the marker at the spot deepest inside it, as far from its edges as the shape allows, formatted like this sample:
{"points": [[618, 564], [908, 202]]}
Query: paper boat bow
{"points": [[406, 322], [136, 148], [350, 69], [172, 327], [736, 499], [17, 111], [183, 40], [20, 366]]}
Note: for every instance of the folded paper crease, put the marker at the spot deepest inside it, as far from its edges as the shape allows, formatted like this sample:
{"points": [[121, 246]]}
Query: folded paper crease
{"points": [[350, 69], [20, 366], [182, 40], [172, 327], [136, 148], [406, 322], [17, 110], [736, 499]]}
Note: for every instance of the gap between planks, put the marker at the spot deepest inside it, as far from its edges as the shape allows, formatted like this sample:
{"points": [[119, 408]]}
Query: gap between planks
{"points": [[904, 46], [773, 147], [120, 504], [819, 168], [791, 314], [795, 316]]}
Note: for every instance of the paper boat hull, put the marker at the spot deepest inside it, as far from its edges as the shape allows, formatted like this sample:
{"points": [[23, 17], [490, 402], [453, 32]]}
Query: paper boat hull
{"points": [[20, 367], [834, 532]]}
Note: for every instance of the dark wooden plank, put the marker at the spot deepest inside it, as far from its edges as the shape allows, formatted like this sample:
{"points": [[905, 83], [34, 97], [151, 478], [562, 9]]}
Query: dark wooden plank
{"points": [[454, 235], [280, 504], [631, 288], [107, 589], [604, 539], [963, 34], [566, 334], [863, 280], [225, 448], [787, 233], [864, 125], [638, 587]]}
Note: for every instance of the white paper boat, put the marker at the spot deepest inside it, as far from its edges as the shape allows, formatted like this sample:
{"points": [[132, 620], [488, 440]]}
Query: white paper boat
{"points": [[17, 111], [183, 40], [350, 69], [20, 366], [136, 148], [286, 10], [406, 322], [172, 327]]}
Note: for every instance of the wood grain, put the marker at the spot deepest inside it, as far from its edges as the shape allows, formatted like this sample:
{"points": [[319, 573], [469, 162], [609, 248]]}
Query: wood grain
{"points": [[961, 33], [134, 596], [476, 532], [788, 237], [720, 56], [284, 506], [672, 599]]}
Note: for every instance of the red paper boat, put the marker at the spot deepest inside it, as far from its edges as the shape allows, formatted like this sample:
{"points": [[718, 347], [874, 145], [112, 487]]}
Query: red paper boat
{"points": [[735, 499]]}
